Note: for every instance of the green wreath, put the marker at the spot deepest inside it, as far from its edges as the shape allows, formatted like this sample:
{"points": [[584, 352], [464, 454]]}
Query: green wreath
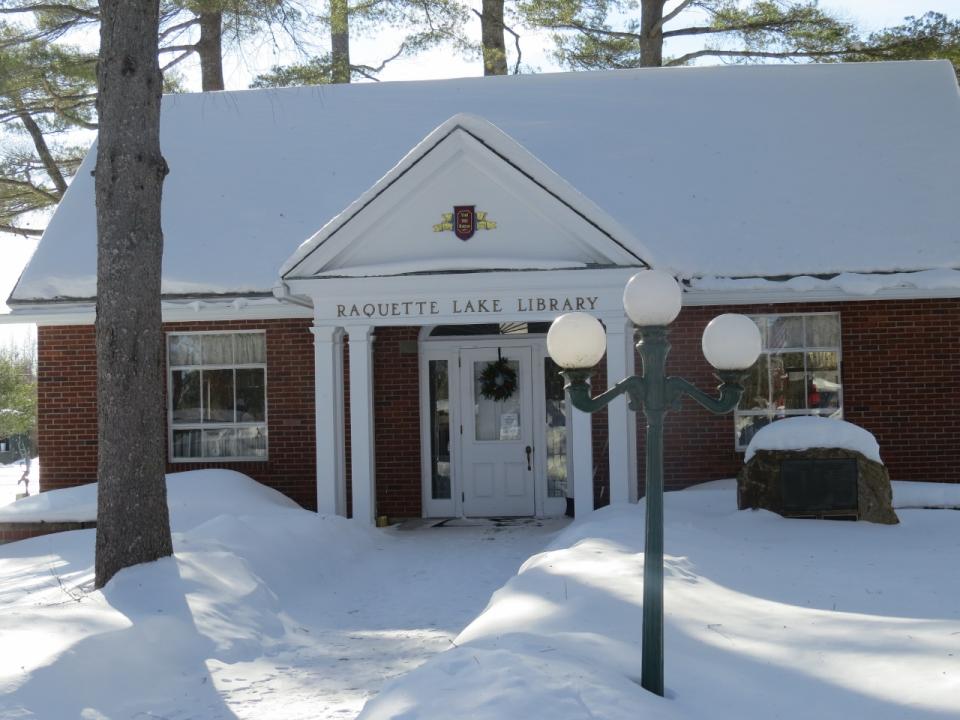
{"points": [[498, 381]]}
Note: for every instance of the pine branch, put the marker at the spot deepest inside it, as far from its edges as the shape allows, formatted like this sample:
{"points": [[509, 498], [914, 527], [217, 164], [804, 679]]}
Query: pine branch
{"points": [[25, 232]]}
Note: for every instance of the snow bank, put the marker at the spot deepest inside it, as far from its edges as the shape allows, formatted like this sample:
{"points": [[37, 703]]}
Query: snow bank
{"points": [[194, 497], [800, 433], [764, 617], [925, 495]]}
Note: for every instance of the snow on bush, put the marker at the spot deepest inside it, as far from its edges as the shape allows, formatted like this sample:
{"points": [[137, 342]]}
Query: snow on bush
{"points": [[801, 433]]}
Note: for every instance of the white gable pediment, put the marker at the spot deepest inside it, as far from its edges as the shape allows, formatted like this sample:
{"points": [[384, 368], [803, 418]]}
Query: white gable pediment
{"points": [[528, 217]]}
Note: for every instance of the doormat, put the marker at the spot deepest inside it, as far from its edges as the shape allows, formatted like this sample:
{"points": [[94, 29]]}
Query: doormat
{"points": [[493, 522]]}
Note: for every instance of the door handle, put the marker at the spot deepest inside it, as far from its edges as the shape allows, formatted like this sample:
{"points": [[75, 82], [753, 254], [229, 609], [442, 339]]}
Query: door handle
{"points": [[529, 451]]}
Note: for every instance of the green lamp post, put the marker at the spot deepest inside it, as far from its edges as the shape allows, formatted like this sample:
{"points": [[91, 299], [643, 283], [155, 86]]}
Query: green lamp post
{"points": [[577, 342]]}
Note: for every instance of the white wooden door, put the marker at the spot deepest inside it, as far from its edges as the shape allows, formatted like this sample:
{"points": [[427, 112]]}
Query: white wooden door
{"points": [[497, 440]]}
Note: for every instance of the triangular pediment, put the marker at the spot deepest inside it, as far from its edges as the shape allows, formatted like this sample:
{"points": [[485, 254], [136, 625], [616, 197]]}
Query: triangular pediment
{"points": [[523, 215]]}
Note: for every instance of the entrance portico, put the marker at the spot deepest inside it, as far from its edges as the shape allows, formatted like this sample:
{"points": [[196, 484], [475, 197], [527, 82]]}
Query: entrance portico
{"points": [[527, 249]]}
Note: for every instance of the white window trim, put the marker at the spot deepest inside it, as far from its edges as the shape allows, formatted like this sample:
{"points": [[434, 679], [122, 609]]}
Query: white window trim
{"points": [[216, 426], [838, 349]]}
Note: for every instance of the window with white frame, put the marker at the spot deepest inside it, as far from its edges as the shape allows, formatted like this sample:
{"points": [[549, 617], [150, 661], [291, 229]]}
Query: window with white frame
{"points": [[217, 388], [797, 373]]}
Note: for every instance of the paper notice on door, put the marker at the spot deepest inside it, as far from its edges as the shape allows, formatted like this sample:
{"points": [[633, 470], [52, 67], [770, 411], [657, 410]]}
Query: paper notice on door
{"points": [[510, 426]]}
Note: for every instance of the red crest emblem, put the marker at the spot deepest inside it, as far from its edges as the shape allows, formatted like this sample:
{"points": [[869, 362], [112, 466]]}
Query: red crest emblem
{"points": [[464, 221]]}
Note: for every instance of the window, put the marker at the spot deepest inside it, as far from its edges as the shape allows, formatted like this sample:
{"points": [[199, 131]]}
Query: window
{"points": [[217, 385], [797, 373]]}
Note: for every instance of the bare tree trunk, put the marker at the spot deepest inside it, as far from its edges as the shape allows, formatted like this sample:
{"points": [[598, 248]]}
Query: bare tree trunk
{"points": [[651, 33], [132, 519], [339, 41], [491, 34], [210, 50]]}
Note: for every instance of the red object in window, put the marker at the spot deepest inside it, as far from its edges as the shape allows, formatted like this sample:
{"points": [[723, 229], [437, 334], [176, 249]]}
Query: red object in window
{"points": [[813, 399]]}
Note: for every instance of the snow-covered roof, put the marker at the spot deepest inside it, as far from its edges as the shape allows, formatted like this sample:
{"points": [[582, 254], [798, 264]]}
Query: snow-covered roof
{"points": [[718, 171]]}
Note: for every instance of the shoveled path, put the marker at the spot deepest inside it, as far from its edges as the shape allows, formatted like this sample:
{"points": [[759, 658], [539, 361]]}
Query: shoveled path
{"points": [[401, 604]]}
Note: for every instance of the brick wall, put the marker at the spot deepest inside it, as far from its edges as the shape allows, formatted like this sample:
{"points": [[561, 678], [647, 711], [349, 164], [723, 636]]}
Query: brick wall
{"points": [[900, 363], [67, 437], [396, 408], [900, 381]]}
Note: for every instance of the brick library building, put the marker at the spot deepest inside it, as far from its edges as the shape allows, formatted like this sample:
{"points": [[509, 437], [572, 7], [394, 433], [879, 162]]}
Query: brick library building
{"points": [[358, 280]]}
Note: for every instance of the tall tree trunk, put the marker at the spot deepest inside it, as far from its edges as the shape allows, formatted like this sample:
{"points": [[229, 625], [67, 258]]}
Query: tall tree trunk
{"points": [[491, 35], [210, 50], [132, 519], [339, 41], [651, 33]]}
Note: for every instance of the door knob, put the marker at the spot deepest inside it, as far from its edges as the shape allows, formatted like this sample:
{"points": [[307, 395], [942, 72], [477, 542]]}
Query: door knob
{"points": [[529, 451]]}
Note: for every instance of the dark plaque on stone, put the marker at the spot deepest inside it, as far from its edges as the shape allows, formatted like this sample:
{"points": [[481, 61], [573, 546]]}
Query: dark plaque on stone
{"points": [[819, 487]]}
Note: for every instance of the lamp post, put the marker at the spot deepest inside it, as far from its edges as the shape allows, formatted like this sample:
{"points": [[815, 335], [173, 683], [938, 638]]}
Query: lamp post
{"points": [[731, 343]]}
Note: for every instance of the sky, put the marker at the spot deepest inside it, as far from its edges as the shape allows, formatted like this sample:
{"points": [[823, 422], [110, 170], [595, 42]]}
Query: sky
{"points": [[868, 14]]}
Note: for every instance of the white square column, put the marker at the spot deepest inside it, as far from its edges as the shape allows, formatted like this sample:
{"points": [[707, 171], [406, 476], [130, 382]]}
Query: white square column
{"points": [[328, 404], [581, 426], [362, 468], [619, 337]]}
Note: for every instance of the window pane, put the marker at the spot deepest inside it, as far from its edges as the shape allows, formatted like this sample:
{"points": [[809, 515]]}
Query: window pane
{"points": [[217, 349], [184, 349], [785, 332], [219, 443], [823, 380], [789, 381], [251, 348], [218, 395], [185, 396], [496, 419], [439, 430], [186, 444], [252, 442], [823, 330], [763, 325], [556, 430], [251, 395], [756, 389]]}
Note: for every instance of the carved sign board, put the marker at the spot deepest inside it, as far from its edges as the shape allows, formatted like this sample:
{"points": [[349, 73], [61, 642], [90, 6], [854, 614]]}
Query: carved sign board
{"points": [[819, 486], [468, 306]]}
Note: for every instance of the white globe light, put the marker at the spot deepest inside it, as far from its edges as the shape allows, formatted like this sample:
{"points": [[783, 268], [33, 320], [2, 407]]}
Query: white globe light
{"points": [[576, 340], [731, 342], [652, 297]]}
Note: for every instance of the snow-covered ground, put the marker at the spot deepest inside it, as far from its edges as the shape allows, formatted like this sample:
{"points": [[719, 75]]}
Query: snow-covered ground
{"points": [[10, 484], [269, 611]]}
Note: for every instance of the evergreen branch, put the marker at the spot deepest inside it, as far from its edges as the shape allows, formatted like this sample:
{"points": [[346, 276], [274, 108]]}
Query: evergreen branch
{"points": [[51, 7], [31, 189], [370, 72], [516, 42], [43, 150], [177, 60], [671, 15], [743, 27], [178, 48], [179, 26], [25, 232]]}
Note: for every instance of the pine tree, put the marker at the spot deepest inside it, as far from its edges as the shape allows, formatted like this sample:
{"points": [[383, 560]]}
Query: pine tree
{"points": [[132, 517], [46, 90]]}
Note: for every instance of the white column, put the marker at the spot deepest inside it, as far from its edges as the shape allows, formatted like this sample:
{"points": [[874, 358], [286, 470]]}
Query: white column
{"points": [[617, 413], [581, 426], [362, 470], [328, 403]]}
